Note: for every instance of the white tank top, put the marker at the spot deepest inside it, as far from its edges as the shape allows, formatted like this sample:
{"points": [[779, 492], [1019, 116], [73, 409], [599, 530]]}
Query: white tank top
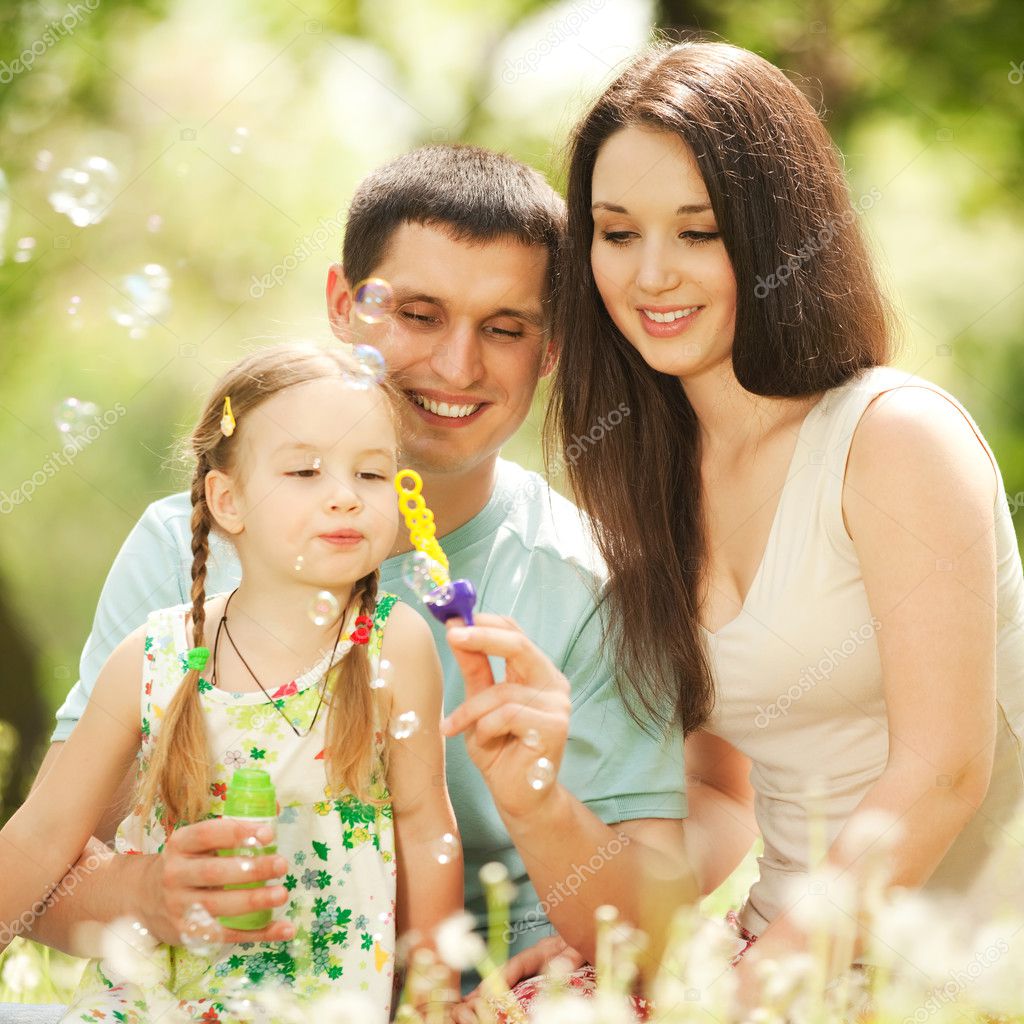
{"points": [[799, 682]]}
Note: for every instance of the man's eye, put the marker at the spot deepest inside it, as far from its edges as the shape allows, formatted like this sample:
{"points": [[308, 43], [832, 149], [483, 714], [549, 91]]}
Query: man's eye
{"points": [[419, 318]]}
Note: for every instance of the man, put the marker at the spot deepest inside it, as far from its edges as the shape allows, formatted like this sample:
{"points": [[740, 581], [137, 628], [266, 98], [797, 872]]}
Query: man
{"points": [[468, 240]]}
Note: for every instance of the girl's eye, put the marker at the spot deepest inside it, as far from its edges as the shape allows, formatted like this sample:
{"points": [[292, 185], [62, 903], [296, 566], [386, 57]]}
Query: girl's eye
{"points": [[371, 476], [306, 474]]}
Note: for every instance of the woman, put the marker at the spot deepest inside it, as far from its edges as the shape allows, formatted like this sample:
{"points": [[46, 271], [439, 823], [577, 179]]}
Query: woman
{"points": [[812, 561]]}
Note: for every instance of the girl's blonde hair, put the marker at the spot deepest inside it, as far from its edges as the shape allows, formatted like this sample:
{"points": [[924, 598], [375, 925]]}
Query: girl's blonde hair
{"points": [[178, 775]]}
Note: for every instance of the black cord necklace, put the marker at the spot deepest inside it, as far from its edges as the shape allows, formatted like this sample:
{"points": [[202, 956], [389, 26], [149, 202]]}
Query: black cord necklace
{"points": [[223, 624]]}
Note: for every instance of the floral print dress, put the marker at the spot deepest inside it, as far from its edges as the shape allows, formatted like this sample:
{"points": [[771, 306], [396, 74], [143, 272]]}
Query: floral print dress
{"points": [[340, 851]]}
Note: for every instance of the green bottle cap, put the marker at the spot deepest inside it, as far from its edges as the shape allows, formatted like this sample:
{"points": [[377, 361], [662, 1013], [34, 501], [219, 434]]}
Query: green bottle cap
{"points": [[250, 795]]}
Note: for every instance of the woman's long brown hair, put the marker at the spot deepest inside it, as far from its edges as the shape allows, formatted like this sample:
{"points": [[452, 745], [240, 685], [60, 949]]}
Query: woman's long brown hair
{"points": [[776, 187], [177, 779]]}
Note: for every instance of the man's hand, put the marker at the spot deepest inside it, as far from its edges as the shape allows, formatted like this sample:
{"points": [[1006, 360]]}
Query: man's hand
{"points": [[509, 726], [528, 964], [189, 871]]}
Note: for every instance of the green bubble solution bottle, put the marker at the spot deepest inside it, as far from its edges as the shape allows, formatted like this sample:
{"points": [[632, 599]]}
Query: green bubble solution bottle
{"points": [[250, 798]]}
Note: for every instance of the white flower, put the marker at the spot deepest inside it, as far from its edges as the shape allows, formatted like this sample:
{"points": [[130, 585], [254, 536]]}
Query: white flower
{"points": [[132, 952], [343, 1008], [458, 944], [870, 833], [565, 1009], [21, 973]]}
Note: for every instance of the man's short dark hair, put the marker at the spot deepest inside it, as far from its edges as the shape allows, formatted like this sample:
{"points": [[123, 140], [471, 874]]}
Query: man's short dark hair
{"points": [[474, 194]]}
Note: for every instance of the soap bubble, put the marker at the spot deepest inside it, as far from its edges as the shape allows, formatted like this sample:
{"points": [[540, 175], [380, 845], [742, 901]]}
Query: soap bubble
{"points": [[299, 562], [373, 300], [154, 222], [541, 774], [445, 849], [43, 160], [404, 725], [24, 250], [239, 138], [532, 739], [201, 934], [73, 416], [383, 675], [418, 578], [370, 367], [84, 194], [324, 608], [145, 298]]}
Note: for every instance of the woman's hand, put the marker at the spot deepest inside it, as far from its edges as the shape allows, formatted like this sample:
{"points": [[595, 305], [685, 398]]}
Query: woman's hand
{"points": [[511, 725]]}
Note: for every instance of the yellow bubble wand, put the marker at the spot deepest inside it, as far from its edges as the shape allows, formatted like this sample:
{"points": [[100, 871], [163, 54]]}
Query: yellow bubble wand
{"points": [[446, 598]]}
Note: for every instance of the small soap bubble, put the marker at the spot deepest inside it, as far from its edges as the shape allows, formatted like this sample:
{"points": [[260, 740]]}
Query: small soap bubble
{"points": [[154, 222], [201, 934], [404, 725], [239, 138], [84, 193], [73, 417], [532, 739], [43, 160], [446, 849], [383, 675], [418, 577], [145, 297], [74, 303], [373, 300], [370, 367], [324, 608], [541, 774], [299, 562], [24, 249]]}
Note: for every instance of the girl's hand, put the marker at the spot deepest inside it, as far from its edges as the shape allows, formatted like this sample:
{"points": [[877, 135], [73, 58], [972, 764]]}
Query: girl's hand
{"points": [[510, 726], [188, 871]]}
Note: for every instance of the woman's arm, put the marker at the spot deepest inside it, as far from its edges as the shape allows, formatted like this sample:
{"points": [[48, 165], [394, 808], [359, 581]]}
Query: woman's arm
{"points": [[49, 831], [918, 504], [430, 872], [720, 827]]}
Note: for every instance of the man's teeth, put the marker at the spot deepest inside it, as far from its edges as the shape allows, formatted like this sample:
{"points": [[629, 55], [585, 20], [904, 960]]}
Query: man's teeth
{"points": [[667, 318], [454, 412]]}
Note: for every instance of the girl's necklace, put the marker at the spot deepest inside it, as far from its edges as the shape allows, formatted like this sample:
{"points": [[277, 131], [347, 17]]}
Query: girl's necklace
{"points": [[223, 624]]}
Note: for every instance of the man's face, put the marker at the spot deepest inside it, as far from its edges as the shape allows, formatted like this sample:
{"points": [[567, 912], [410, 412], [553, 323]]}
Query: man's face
{"points": [[466, 344]]}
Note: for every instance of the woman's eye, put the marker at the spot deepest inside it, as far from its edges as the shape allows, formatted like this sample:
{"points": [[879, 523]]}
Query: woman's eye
{"points": [[617, 237], [699, 236]]}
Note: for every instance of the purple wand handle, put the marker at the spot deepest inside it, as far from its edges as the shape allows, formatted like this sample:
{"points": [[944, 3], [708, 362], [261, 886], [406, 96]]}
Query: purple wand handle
{"points": [[457, 598]]}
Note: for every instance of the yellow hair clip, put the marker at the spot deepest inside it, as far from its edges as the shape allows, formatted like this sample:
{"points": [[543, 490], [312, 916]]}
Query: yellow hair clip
{"points": [[227, 420]]}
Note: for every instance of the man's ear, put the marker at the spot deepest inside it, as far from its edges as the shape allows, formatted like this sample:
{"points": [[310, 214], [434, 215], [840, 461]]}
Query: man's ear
{"points": [[339, 301], [222, 501], [550, 357]]}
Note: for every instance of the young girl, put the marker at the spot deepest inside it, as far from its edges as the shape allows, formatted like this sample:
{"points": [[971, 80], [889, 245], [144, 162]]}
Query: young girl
{"points": [[279, 677]]}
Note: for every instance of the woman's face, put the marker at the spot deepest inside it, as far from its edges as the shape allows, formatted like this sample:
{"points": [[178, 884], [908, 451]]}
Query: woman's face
{"points": [[658, 261]]}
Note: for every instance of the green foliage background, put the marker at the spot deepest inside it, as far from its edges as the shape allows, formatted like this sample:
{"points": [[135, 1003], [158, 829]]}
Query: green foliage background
{"points": [[925, 98]]}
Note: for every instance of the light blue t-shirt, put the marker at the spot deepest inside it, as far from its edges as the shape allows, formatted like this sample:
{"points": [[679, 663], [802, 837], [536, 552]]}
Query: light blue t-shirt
{"points": [[530, 557]]}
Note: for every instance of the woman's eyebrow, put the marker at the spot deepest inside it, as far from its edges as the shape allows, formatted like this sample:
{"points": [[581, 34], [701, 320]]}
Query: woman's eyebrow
{"points": [[685, 208]]}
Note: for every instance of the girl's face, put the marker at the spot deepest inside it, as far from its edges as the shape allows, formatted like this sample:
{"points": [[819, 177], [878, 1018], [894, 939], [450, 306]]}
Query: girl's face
{"points": [[659, 263], [312, 497]]}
